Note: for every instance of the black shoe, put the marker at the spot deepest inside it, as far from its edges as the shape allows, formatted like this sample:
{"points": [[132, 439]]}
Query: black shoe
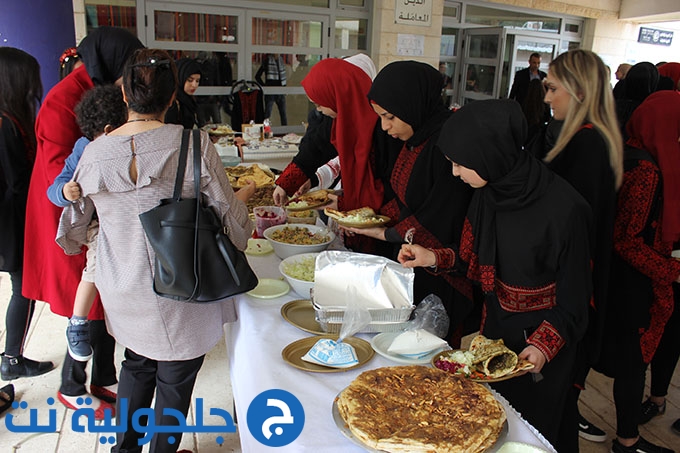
{"points": [[18, 367], [590, 432], [649, 410], [641, 446], [676, 427]]}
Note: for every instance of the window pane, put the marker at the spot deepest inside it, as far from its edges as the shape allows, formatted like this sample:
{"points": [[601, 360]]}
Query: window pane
{"points": [[359, 3], [526, 47], [483, 46], [447, 47], [492, 17], [289, 33], [480, 78], [122, 14], [316, 3], [194, 27], [351, 34], [295, 67], [217, 68]]}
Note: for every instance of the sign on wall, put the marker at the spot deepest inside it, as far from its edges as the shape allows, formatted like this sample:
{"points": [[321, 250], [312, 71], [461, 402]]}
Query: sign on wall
{"points": [[413, 12], [654, 36], [410, 45]]}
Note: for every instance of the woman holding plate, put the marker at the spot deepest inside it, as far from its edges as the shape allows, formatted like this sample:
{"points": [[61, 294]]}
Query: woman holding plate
{"points": [[525, 242], [426, 201]]}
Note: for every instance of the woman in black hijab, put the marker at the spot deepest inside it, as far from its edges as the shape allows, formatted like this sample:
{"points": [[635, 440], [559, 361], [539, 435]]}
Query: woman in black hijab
{"points": [[105, 51], [525, 242], [422, 195], [641, 81], [184, 109]]}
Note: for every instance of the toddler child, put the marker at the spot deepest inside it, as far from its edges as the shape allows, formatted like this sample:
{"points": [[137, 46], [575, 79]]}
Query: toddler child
{"points": [[100, 111]]}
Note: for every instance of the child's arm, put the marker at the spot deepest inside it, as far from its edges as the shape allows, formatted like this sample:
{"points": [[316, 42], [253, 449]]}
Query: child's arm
{"points": [[55, 191]]}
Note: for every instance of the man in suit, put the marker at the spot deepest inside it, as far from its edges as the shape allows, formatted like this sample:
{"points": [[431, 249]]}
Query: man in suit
{"points": [[520, 85]]}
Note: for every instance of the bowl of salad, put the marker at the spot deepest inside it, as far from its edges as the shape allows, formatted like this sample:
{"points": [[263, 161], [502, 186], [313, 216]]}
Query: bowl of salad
{"points": [[298, 270]]}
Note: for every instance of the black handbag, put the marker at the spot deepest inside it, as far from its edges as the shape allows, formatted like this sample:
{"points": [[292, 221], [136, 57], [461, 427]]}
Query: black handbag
{"points": [[195, 259]]}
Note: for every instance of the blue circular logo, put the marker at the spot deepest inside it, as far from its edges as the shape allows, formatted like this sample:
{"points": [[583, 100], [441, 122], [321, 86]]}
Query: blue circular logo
{"points": [[275, 418]]}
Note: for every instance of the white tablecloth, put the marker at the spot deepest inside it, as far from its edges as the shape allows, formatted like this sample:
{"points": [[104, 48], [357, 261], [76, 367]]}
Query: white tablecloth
{"points": [[254, 345]]}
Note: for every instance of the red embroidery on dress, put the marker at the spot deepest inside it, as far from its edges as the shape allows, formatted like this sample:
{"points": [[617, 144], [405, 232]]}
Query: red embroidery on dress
{"points": [[482, 274], [523, 299], [403, 167], [291, 179], [547, 339]]}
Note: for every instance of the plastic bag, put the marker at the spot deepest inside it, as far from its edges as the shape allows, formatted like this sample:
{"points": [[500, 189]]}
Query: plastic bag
{"points": [[337, 354], [430, 315]]}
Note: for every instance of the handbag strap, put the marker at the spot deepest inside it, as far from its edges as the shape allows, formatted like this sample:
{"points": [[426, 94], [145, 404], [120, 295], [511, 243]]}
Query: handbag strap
{"points": [[197, 163], [181, 165]]}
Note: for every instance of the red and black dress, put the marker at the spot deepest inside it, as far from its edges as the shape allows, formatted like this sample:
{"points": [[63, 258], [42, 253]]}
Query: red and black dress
{"points": [[643, 271], [422, 193], [525, 241]]}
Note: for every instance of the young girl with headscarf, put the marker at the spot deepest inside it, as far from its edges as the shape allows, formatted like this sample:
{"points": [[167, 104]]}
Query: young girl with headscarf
{"points": [[424, 197], [525, 242], [184, 110], [49, 274], [338, 89], [316, 162]]}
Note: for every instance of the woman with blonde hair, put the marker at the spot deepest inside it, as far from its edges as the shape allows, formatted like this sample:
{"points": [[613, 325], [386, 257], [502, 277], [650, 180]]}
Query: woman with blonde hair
{"points": [[589, 154]]}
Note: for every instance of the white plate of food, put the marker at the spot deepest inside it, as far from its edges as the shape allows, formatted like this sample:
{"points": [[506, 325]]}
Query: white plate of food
{"points": [[382, 342], [292, 139]]}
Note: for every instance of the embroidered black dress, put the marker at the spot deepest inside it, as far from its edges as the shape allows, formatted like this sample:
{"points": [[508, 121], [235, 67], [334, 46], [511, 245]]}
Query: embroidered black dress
{"points": [[422, 193], [525, 241]]}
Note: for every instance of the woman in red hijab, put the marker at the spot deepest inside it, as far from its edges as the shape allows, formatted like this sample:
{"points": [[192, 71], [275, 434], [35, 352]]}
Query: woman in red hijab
{"points": [[643, 270], [671, 71], [339, 89]]}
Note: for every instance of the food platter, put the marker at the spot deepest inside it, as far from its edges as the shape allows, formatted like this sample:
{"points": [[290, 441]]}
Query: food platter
{"points": [[307, 202], [239, 175], [269, 288], [521, 369], [292, 354], [218, 130], [380, 220], [292, 139], [308, 205], [300, 313], [382, 342], [344, 429]]}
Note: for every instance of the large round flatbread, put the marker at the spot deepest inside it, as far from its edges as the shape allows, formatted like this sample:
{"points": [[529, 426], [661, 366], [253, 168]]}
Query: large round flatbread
{"points": [[420, 409]]}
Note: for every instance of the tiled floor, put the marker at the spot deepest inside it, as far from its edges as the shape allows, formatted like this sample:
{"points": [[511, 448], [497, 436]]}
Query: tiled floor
{"points": [[46, 341]]}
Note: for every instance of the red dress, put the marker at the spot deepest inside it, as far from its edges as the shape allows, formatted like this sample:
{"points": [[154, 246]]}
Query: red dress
{"points": [[49, 274]]}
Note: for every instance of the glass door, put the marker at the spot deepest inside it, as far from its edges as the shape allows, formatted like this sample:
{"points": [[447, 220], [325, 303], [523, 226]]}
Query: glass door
{"points": [[523, 46], [483, 50]]}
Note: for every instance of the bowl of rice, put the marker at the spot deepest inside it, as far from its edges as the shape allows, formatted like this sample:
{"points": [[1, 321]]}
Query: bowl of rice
{"points": [[298, 270], [288, 240]]}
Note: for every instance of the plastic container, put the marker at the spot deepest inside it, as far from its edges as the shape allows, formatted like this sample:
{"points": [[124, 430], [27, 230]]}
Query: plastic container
{"points": [[268, 216]]}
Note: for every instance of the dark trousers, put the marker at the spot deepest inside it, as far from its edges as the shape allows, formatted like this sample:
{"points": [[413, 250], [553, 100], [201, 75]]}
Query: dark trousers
{"points": [[629, 383], [280, 101], [667, 354], [173, 383], [18, 318], [73, 375]]}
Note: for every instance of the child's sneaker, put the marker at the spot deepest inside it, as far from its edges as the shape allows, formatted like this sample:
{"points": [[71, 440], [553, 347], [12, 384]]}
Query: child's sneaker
{"points": [[78, 341]]}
